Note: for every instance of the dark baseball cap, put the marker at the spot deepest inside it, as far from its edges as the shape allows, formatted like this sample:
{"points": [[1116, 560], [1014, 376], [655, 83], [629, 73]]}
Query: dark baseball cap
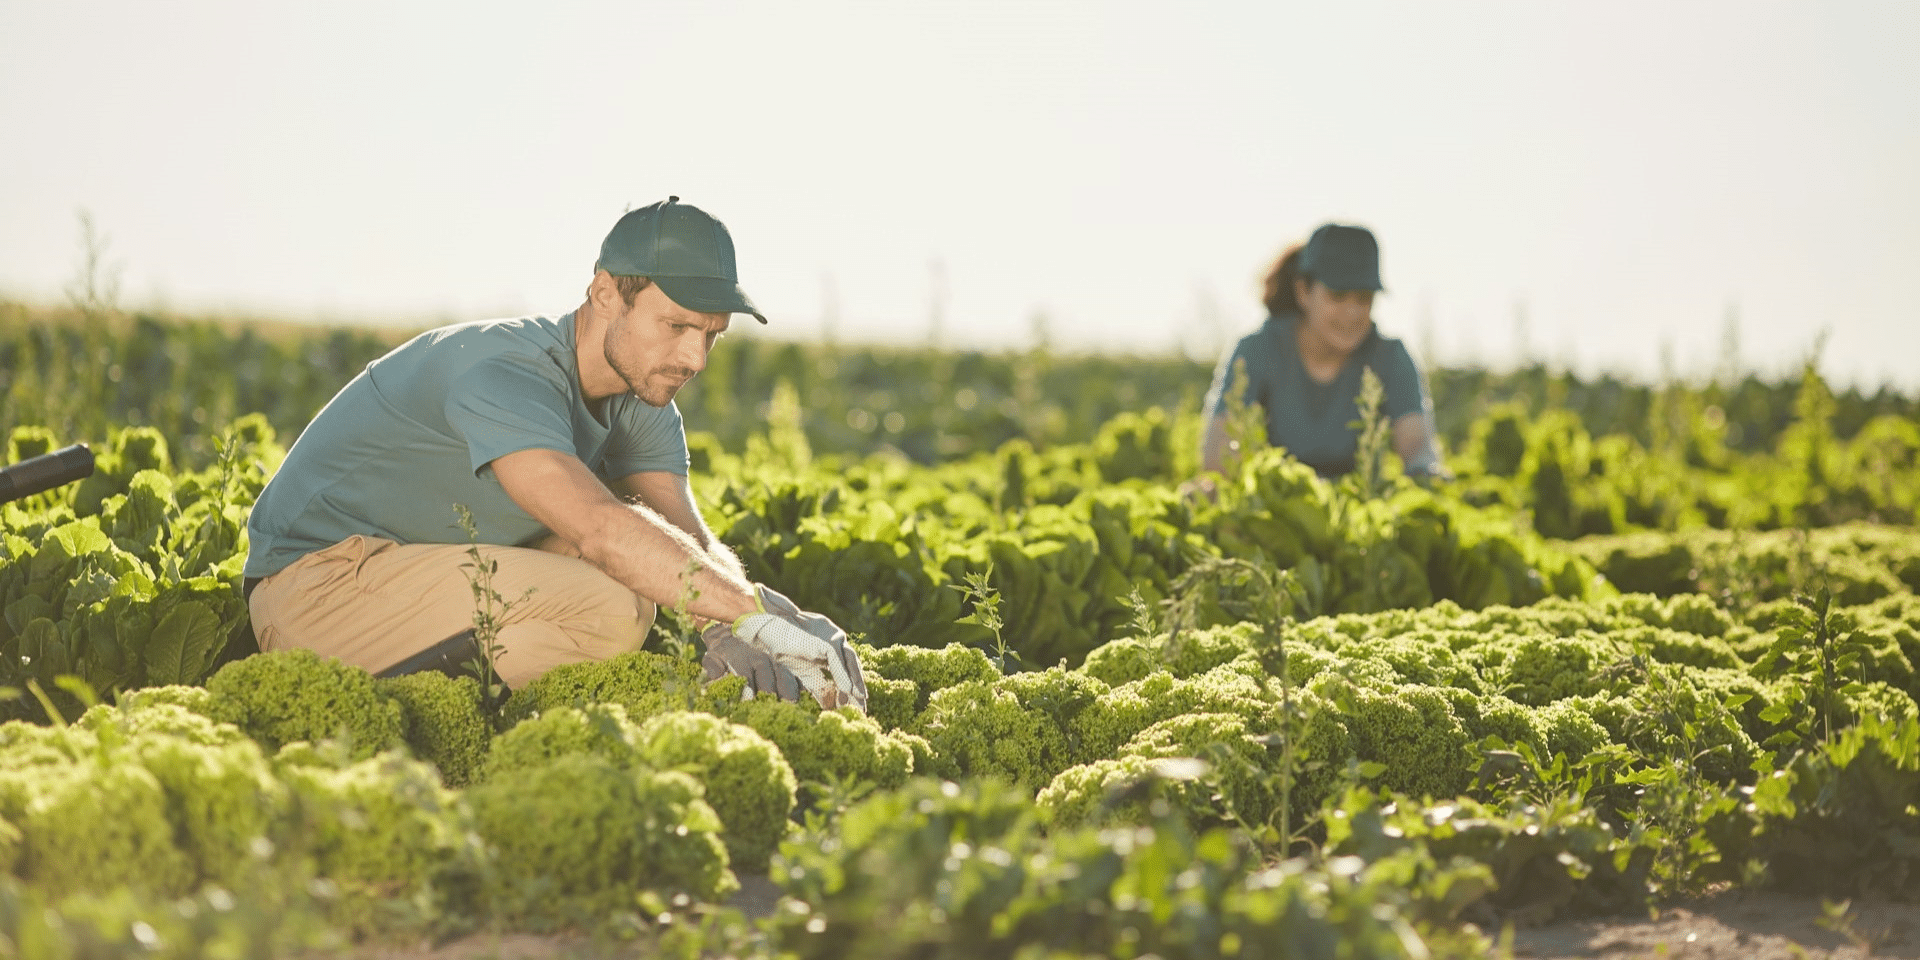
{"points": [[1343, 258], [682, 248]]}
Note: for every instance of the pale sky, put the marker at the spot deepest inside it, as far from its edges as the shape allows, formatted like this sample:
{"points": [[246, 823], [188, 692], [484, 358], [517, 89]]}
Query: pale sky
{"points": [[1626, 174]]}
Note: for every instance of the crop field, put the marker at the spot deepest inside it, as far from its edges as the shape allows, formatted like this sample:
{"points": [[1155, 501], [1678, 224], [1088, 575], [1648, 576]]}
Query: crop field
{"points": [[1648, 643]]}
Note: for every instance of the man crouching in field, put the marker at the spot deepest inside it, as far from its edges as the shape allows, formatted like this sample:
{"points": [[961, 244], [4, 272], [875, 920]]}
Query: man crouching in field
{"points": [[560, 435]]}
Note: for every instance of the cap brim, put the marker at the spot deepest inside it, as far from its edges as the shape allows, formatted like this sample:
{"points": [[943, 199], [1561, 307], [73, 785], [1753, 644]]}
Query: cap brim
{"points": [[1352, 282], [708, 295]]}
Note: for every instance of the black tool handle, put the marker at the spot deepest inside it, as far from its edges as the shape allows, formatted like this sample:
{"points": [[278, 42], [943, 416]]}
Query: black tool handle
{"points": [[44, 472]]}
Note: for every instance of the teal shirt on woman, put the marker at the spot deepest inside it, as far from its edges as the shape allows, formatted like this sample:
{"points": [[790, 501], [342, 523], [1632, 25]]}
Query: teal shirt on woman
{"points": [[1311, 419]]}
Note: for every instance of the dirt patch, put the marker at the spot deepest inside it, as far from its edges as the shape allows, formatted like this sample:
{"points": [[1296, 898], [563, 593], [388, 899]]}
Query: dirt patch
{"points": [[756, 898], [1738, 925]]}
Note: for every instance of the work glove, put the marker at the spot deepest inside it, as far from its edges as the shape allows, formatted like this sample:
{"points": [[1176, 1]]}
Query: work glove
{"points": [[728, 655], [808, 646]]}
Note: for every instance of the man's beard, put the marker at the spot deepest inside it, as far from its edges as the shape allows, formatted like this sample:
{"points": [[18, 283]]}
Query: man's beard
{"points": [[663, 395], [645, 386], [649, 388]]}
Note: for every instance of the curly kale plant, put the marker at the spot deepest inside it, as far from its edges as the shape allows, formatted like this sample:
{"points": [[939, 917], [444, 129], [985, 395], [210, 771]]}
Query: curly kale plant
{"points": [[597, 729], [101, 824], [196, 699], [1115, 717], [444, 722], [982, 729], [289, 695], [1411, 730], [223, 799], [1542, 669], [580, 837], [643, 683], [748, 782], [158, 717], [929, 671], [396, 844], [831, 746], [1104, 792]]}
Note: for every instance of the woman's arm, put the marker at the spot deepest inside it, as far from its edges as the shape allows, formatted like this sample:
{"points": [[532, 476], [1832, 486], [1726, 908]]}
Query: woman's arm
{"points": [[1413, 440], [1213, 445]]}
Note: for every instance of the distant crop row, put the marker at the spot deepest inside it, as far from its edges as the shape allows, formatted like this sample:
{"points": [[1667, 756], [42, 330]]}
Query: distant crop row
{"points": [[84, 376]]}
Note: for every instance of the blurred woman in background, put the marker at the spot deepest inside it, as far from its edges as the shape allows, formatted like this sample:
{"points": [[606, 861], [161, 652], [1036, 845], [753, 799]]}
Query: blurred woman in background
{"points": [[1303, 366]]}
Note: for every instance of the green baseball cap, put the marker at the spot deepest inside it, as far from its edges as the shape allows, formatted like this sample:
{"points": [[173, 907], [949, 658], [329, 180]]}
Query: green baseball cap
{"points": [[1343, 258], [682, 248]]}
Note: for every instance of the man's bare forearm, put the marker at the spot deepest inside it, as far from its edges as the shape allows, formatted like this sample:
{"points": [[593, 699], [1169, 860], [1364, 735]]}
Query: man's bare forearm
{"points": [[725, 557], [666, 565]]}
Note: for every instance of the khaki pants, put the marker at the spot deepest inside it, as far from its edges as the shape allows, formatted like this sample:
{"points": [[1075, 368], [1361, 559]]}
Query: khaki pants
{"points": [[373, 603]]}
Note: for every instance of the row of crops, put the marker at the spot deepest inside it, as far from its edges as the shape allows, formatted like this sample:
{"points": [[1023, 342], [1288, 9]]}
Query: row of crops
{"points": [[82, 375], [1108, 717]]}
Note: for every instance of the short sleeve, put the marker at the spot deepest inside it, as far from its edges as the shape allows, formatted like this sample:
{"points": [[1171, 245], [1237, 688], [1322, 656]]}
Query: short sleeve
{"points": [[506, 404], [1405, 386], [1216, 402], [647, 439]]}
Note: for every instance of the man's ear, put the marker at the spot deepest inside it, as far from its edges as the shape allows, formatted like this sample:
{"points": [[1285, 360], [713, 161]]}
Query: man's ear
{"points": [[603, 293]]}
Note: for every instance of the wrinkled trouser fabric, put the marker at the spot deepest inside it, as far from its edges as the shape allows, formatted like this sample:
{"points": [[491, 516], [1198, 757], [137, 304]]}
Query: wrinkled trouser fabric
{"points": [[373, 603]]}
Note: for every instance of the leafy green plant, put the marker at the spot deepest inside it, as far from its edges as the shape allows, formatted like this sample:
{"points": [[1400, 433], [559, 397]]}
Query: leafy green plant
{"points": [[1527, 863], [1682, 738], [984, 602], [1374, 438], [1264, 597], [1835, 819], [1818, 646], [948, 870], [1246, 423], [490, 611]]}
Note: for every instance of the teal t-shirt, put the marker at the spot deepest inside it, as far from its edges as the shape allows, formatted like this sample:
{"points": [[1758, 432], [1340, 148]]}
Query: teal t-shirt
{"points": [[413, 434], [1308, 418]]}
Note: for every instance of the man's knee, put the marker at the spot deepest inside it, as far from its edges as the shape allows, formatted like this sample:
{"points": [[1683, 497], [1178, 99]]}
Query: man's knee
{"points": [[606, 600], [599, 616]]}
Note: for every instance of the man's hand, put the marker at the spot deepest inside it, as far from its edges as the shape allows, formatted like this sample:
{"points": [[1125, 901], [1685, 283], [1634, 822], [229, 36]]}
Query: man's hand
{"points": [[728, 655], [808, 646]]}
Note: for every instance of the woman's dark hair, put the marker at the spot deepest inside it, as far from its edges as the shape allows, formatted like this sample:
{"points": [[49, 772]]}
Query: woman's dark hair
{"points": [[1279, 285]]}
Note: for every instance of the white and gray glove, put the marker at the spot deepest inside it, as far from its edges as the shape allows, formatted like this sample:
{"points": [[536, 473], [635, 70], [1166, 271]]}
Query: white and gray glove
{"points": [[728, 655], [808, 647]]}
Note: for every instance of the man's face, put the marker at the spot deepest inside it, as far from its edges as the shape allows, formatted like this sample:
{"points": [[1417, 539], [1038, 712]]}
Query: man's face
{"points": [[656, 345], [1340, 318]]}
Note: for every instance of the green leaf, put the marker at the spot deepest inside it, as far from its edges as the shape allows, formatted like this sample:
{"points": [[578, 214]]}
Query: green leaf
{"points": [[181, 643], [80, 538], [1646, 776], [26, 610], [79, 687], [1775, 713], [1738, 700], [40, 642]]}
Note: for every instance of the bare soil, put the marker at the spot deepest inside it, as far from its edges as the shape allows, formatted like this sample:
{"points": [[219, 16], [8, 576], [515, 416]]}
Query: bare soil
{"points": [[1737, 925]]}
